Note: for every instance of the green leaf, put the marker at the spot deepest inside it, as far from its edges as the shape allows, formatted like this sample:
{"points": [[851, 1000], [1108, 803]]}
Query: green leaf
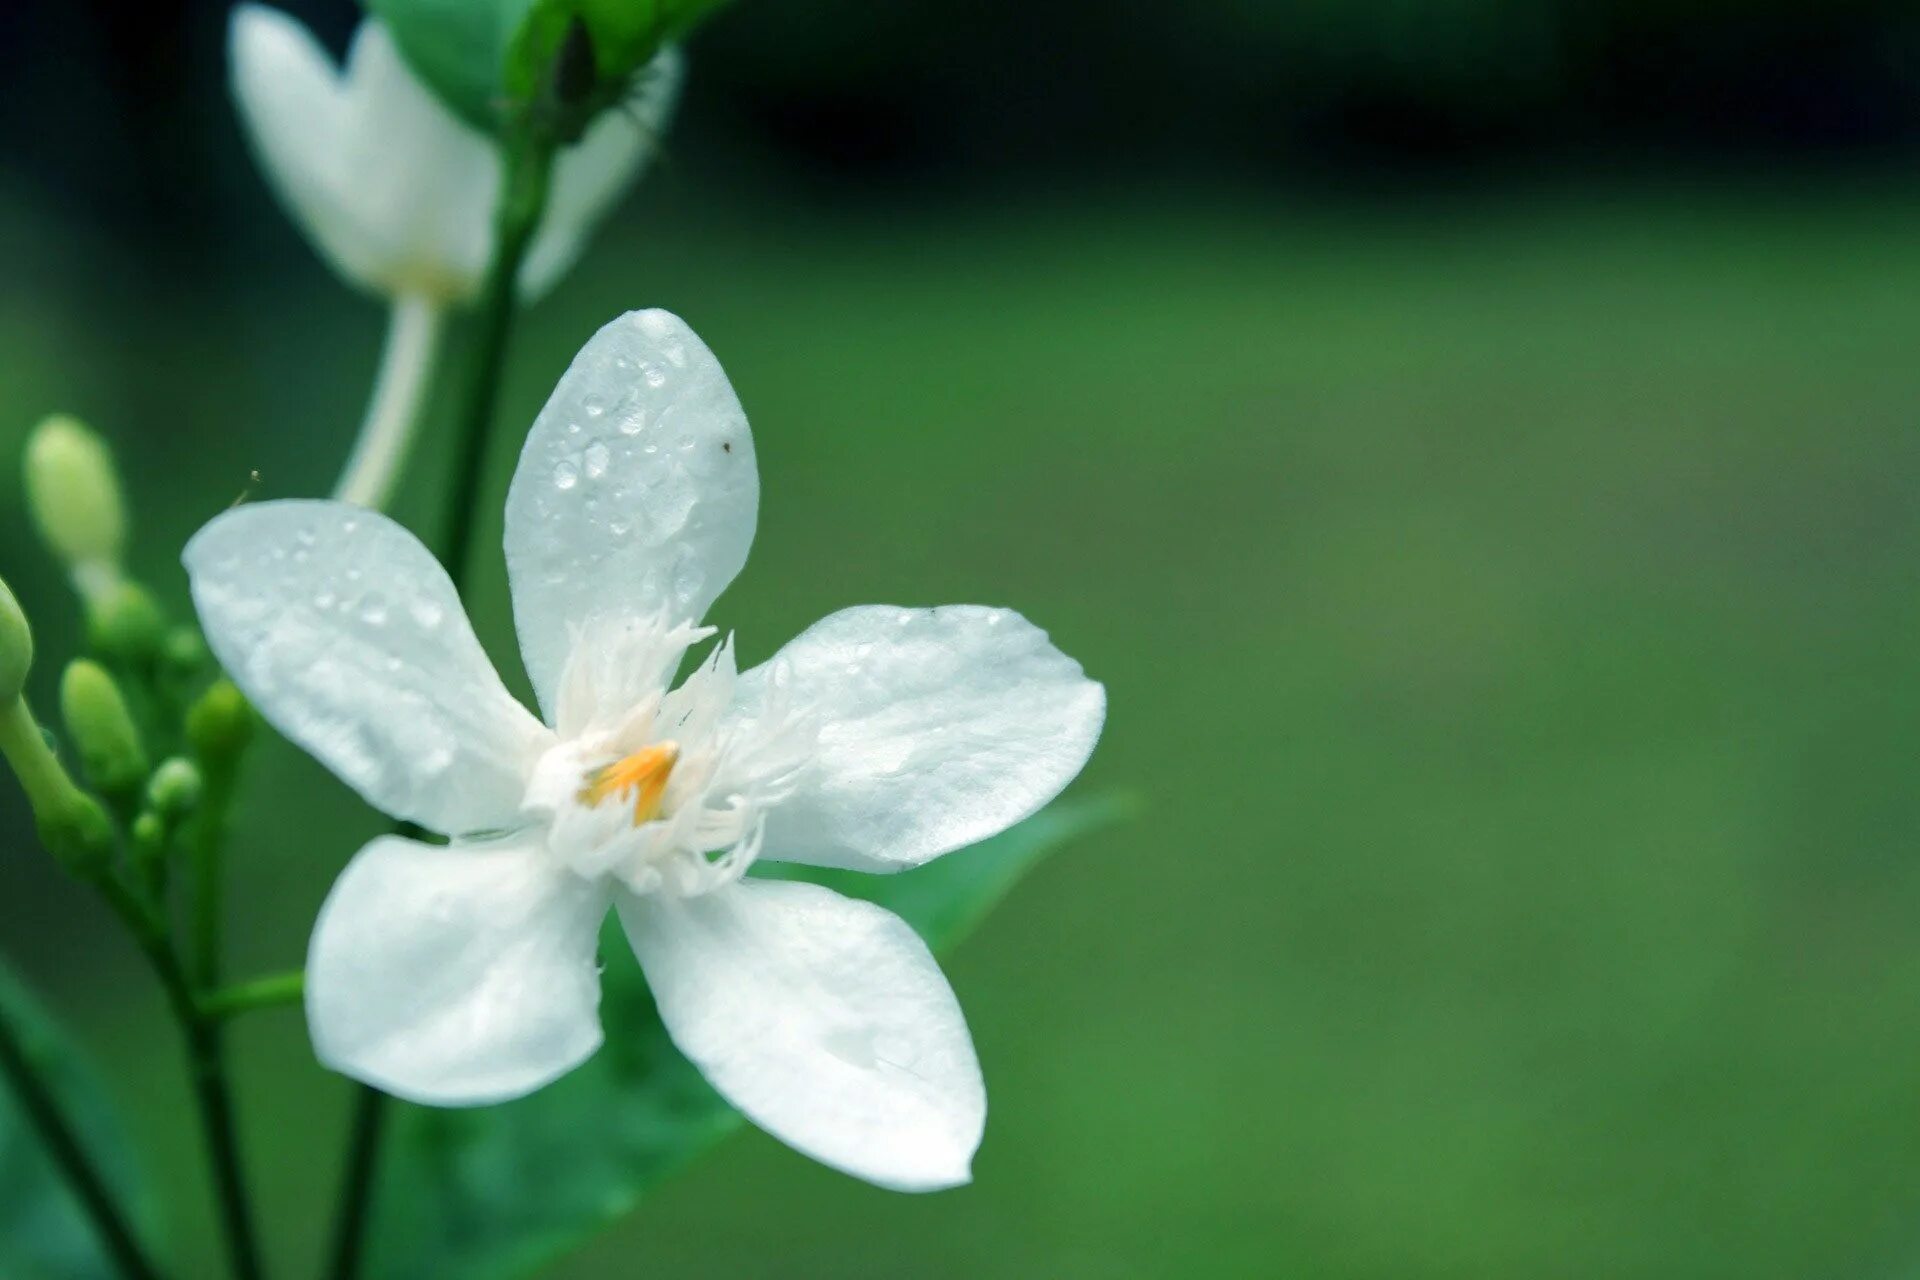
{"points": [[488, 59], [44, 1235], [459, 47], [501, 1192]]}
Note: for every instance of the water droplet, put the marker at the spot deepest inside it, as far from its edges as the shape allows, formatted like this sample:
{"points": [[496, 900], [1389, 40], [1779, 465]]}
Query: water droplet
{"points": [[906, 618], [652, 448], [620, 528], [634, 423], [656, 376], [573, 428], [305, 537], [597, 458], [373, 609], [348, 526], [594, 405], [324, 600], [565, 475], [995, 618], [426, 613]]}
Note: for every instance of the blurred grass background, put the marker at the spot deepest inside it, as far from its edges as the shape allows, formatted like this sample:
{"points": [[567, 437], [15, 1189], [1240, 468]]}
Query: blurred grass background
{"points": [[1490, 499]]}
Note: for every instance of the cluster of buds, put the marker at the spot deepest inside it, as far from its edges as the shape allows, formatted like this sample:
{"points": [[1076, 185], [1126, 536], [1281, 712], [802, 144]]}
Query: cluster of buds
{"points": [[148, 729]]}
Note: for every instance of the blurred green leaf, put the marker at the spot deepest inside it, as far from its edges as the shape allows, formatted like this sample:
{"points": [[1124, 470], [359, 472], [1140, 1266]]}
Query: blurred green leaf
{"points": [[459, 47], [488, 58], [500, 1192], [44, 1235]]}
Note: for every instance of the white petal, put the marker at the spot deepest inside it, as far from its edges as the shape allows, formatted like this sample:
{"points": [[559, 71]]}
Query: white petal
{"points": [[389, 185], [590, 177], [347, 635], [294, 108], [636, 493], [938, 728], [423, 183], [824, 1020], [455, 976]]}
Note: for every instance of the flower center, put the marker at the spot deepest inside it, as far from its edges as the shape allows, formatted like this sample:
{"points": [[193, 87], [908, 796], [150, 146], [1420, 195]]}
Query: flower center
{"points": [[643, 775]]}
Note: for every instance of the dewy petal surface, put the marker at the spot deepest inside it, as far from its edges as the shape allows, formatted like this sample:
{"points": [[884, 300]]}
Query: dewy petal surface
{"points": [[456, 975], [636, 494], [938, 728], [824, 1020], [349, 638]]}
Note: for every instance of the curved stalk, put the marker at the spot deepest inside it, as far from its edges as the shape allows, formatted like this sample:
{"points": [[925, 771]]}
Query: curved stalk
{"points": [[393, 409]]}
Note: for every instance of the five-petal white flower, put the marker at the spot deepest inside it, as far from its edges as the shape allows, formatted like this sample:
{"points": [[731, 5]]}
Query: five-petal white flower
{"points": [[879, 739], [392, 188]]}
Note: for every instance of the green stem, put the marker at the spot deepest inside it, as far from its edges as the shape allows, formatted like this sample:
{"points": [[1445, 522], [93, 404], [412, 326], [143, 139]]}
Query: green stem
{"points": [[69, 1156], [206, 1065], [206, 854], [356, 1200], [259, 993], [527, 164], [206, 1059]]}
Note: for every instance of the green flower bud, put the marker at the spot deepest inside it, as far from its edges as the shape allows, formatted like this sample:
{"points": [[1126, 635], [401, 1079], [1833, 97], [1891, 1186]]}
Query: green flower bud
{"points": [[78, 833], [182, 650], [111, 756], [124, 622], [175, 787], [74, 494], [16, 646], [149, 833], [220, 723]]}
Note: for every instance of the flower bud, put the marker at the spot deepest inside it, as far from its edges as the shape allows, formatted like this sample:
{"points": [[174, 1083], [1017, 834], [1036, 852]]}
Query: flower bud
{"points": [[78, 833], [124, 622], [175, 787], [74, 494], [182, 650], [16, 647], [220, 723], [149, 834], [111, 757]]}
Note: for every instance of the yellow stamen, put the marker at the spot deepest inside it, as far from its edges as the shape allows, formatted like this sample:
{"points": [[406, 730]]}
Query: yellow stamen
{"points": [[644, 773]]}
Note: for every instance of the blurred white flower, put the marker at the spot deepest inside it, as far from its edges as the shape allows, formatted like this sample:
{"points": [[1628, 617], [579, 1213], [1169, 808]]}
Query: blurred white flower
{"points": [[392, 188], [879, 739]]}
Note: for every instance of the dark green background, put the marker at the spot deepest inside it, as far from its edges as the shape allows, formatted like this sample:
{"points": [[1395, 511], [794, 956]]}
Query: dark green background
{"points": [[1499, 543]]}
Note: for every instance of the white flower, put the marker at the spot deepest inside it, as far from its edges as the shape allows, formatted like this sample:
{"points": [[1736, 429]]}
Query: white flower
{"points": [[879, 739], [392, 188]]}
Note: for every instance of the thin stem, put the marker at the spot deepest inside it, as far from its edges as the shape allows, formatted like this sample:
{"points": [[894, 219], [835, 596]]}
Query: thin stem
{"points": [[356, 1200], [259, 993], [206, 1060], [527, 163], [207, 857], [69, 1156], [206, 1065], [393, 410], [523, 199]]}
